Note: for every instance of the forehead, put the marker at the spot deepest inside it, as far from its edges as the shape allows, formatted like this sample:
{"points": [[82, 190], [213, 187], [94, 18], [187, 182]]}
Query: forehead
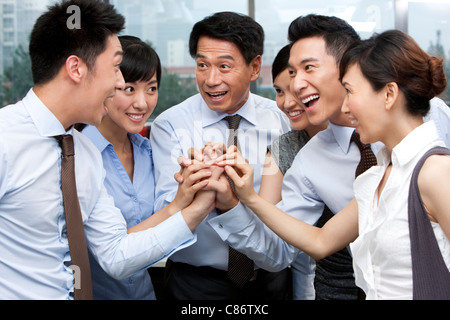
{"points": [[353, 75], [113, 50], [307, 49], [209, 47]]}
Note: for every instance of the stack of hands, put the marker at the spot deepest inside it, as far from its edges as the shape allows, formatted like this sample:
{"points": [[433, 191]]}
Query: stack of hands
{"points": [[204, 174]]}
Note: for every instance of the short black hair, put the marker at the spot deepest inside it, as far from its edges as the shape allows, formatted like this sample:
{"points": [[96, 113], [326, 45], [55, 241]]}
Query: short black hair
{"points": [[337, 33], [242, 30], [52, 41], [140, 62]]}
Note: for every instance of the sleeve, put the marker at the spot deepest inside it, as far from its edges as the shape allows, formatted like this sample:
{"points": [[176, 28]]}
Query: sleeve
{"points": [[242, 230], [440, 114], [121, 254], [3, 169], [166, 148]]}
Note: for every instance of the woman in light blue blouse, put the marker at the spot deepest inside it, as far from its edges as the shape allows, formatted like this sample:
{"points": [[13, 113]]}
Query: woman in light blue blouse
{"points": [[127, 159]]}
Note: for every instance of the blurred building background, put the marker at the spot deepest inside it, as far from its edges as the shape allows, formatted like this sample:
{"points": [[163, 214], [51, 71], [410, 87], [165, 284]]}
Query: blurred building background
{"points": [[166, 25]]}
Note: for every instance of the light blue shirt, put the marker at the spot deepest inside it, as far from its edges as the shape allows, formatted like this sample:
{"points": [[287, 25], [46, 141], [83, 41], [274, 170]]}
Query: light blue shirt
{"points": [[135, 200], [323, 172], [34, 248], [192, 124]]}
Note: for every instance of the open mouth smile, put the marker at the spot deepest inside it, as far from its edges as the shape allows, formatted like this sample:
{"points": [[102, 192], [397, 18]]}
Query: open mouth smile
{"points": [[135, 117], [295, 113], [217, 95], [307, 100]]}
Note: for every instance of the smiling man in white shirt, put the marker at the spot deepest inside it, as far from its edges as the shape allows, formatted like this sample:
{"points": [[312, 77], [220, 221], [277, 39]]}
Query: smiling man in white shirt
{"points": [[227, 48], [75, 71]]}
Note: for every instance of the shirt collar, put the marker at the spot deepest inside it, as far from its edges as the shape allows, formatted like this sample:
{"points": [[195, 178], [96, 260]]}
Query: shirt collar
{"points": [[415, 141], [342, 135], [44, 120], [247, 111], [101, 143]]}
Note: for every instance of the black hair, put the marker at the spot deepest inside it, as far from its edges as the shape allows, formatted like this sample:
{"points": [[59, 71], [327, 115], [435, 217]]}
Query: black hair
{"points": [[281, 61], [337, 33], [53, 39], [140, 62], [243, 31]]}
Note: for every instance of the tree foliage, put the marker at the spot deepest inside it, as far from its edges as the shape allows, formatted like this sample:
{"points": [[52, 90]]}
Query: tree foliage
{"points": [[17, 79]]}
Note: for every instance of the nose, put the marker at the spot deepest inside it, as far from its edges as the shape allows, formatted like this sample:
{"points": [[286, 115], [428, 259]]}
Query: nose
{"points": [[297, 85], [290, 101], [139, 101], [345, 108], [213, 77], [120, 81]]}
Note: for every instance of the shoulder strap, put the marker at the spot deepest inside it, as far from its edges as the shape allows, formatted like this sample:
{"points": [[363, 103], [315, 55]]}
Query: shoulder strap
{"points": [[431, 277]]}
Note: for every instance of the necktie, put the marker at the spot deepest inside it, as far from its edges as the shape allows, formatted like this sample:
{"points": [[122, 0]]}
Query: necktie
{"points": [[240, 267], [74, 223], [368, 159]]}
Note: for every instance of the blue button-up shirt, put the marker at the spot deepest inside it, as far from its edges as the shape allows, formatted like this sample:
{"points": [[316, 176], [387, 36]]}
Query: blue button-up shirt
{"points": [[135, 200], [35, 255]]}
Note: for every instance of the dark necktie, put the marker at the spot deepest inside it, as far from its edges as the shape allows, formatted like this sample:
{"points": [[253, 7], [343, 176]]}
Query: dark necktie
{"points": [[368, 158], [74, 222], [240, 267]]}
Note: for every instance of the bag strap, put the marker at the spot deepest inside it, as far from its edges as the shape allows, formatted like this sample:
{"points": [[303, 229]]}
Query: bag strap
{"points": [[431, 277]]}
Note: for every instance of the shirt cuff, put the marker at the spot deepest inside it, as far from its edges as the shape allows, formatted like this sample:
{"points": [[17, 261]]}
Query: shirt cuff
{"points": [[174, 234], [232, 221]]}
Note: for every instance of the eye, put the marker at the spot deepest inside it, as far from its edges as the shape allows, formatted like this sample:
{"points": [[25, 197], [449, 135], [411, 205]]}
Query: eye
{"points": [[153, 89], [308, 67], [129, 89], [292, 73], [279, 91]]}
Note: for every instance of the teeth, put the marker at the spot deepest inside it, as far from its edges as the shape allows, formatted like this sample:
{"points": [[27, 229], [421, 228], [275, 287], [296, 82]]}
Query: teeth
{"points": [[295, 113], [310, 98], [136, 117], [353, 121], [218, 94]]}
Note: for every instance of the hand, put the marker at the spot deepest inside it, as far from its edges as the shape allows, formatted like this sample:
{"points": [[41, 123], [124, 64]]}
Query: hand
{"points": [[207, 155], [240, 172], [194, 178], [198, 210]]}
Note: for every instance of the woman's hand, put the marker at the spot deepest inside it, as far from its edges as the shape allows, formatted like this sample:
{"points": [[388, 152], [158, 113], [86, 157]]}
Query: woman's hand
{"points": [[240, 172], [193, 178]]}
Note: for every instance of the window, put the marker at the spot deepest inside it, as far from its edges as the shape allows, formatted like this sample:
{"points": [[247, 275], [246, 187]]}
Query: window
{"points": [[166, 25]]}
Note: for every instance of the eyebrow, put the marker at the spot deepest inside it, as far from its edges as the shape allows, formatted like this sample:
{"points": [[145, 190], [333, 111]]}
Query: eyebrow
{"points": [[306, 60], [226, 56]]}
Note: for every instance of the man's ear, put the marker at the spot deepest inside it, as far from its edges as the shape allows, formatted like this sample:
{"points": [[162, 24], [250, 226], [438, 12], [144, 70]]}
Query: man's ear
{"points": [[256, 67], [391, 95], [76, 68]]}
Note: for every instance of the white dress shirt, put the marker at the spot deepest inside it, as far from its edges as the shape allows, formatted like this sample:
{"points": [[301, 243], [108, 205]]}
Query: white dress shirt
{"points": [[34, 246], [193, 124], [322, 173], [382, 252]]}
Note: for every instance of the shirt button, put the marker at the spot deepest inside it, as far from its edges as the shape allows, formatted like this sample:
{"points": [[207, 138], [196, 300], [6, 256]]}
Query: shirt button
{"points": [[220, 226]]}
